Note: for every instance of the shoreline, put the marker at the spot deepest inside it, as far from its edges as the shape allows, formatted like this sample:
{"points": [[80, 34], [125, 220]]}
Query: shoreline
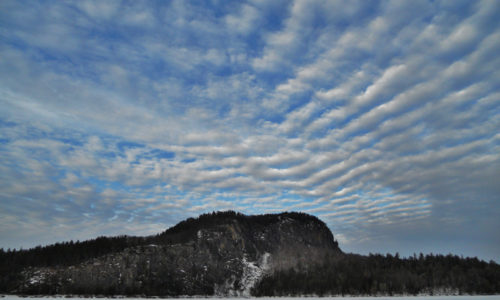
{"points": [[395, 296]]}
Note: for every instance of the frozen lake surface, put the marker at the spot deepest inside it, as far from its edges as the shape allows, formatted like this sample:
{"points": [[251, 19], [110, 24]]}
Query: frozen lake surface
{"points": [[493, 297]]}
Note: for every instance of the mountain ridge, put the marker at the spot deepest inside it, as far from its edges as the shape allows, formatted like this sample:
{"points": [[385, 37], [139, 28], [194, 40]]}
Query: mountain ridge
{"points": [[223, 253], [232, 254]]}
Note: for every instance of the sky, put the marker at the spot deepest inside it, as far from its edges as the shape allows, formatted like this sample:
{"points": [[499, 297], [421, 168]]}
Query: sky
{"points": [[382, 118]]}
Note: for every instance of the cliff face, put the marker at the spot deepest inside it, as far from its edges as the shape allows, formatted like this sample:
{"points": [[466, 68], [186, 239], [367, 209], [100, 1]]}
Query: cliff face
{"points": [[216, 254]]}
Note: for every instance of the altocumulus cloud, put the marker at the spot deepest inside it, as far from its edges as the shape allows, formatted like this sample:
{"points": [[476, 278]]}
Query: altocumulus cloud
{"points": [[382, 118]]}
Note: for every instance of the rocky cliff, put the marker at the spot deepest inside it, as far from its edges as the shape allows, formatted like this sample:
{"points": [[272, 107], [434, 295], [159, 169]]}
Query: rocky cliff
{"points": [[215, 254]]}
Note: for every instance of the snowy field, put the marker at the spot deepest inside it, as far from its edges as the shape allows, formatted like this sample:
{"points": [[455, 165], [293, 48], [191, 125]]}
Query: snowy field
{"points": [[494, 297]]}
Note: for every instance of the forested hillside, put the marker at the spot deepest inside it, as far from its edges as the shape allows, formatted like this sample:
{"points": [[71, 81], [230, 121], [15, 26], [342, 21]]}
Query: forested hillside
{"points": [[231, 254], [377, 274]]}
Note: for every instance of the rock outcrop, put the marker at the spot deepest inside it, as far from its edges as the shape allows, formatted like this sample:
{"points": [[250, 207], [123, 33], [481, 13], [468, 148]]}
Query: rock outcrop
{"points": [[222, 254]]}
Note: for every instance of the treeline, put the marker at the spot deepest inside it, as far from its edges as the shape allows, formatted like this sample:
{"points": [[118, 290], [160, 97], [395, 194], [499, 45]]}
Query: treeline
{"points": [[377, 274], [12, 262], [71, 253], [66, 253], [339, 274], [187, 229]]}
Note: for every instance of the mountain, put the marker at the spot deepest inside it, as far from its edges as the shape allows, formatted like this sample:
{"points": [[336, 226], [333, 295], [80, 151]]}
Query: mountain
{"points": [[216, 254], [231, 254]]}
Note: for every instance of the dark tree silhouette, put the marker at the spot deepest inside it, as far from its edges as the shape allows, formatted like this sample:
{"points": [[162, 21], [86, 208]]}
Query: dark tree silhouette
{"points": [[339, 274]]}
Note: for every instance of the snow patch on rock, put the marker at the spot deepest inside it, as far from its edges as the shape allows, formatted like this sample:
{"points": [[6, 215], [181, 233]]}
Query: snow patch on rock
{"points": [[37, 278], [253, 272]]}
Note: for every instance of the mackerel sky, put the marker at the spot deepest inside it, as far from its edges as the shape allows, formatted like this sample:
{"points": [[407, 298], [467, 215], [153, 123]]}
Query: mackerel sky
{"points": [[382, 118]]}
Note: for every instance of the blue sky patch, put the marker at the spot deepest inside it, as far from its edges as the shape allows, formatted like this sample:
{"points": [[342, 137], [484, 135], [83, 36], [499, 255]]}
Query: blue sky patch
{"points": [[379, 117]]}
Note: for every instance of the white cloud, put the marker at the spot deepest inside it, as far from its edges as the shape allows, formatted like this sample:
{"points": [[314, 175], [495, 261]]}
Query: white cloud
{"points": [[245, 21], [258, 107], [99, 9]]}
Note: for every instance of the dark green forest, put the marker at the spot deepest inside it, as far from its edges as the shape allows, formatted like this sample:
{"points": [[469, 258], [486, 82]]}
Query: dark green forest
{"points": [[352, 274], [337, 274], [71, 253]]}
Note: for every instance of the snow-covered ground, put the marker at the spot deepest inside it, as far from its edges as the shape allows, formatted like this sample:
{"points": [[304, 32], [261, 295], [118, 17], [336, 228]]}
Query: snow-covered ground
{"points": [[494, 297]]}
